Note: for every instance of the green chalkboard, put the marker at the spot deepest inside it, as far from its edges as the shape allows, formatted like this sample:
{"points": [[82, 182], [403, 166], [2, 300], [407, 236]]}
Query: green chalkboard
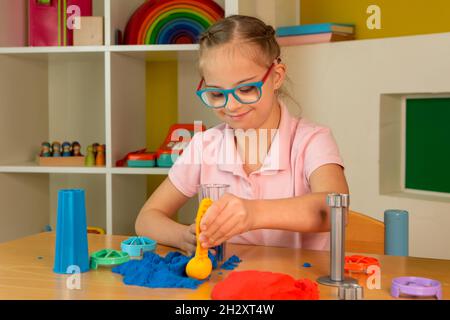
{"points": [[427, 155]]}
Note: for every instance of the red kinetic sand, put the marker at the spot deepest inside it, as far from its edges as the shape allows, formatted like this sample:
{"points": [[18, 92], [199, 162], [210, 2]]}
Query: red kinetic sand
{"points": [[258, 285]]}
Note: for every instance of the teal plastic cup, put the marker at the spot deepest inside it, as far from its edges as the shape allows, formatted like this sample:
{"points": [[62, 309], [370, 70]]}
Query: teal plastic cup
{"points": [[396, 232]]}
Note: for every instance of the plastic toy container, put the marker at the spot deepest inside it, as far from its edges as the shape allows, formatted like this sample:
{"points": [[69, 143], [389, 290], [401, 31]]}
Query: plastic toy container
{"points": [[142, 160], [164, 158], [108, 258], [136, 246]]}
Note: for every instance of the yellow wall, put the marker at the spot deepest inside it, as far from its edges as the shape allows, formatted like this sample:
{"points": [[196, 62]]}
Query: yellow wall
{"points": [[398, 17], [162, 107]]}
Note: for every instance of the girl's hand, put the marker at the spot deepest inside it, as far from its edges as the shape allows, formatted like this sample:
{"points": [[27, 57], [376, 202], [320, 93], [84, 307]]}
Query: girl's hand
{"points": [[224, 219], [188, 240]]}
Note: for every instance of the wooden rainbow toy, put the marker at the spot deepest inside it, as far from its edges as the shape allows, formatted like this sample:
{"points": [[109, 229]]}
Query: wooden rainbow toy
{"points": [[171, 21]]}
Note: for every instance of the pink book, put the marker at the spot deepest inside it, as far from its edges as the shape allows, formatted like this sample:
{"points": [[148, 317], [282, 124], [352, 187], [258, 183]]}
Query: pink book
{"points": [[313, 38], [48, 20]]}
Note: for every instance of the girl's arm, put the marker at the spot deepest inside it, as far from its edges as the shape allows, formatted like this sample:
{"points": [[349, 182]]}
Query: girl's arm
{"points": [[306, 214], [155, 221]]}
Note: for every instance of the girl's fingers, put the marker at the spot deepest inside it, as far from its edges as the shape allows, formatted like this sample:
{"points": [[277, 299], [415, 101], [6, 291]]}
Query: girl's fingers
{"points": [[226, 237], [213, 212], [223, 229], [192, 228], [190, 249], [217, 224]]}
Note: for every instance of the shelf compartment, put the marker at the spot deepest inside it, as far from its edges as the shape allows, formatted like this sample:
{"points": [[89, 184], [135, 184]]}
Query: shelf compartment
{"points": [[14, 22], [121, 12], [48, 97], [129, 193]]}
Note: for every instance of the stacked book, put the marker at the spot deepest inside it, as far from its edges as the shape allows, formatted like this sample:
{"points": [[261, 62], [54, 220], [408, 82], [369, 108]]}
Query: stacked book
{"points": [[315, 33]]}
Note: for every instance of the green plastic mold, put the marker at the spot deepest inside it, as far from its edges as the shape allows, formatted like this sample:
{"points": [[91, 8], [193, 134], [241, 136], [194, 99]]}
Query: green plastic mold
{"points": [[108, 257]]}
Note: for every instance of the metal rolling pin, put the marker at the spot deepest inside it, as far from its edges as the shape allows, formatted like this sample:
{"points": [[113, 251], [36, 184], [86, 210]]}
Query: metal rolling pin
{"points": [[338, 204]]}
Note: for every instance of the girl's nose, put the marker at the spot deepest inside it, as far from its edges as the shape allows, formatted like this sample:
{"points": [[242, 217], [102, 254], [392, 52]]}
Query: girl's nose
{"points": [[232, 104]]}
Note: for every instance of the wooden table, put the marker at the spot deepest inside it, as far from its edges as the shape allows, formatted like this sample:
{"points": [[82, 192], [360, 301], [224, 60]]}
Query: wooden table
{"points": [[26, 271]]}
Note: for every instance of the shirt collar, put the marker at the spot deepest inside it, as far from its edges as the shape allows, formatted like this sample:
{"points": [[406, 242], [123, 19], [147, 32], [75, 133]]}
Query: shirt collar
{"points": [[276, 159]]}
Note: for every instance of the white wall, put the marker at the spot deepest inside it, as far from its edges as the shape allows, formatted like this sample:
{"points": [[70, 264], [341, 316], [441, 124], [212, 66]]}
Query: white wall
{"points": [[339, 85]]}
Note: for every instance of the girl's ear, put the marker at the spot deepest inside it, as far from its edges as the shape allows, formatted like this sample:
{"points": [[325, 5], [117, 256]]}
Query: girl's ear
{"points": [[279, 72]]}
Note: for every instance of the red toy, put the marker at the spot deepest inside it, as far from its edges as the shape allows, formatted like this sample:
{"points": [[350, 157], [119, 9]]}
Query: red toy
{"points": [[359, 264], [175, 142], [258, 285]]}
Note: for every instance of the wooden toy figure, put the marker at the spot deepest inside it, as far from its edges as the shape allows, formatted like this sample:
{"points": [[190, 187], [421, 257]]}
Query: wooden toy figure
{"points": [[90, 157], [76, 149], [45, 150], [56, 149], [95, 146], [100, 157], [67, 149]]}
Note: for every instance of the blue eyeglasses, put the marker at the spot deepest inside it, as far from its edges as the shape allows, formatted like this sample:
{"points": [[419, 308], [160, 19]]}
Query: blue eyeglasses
{"points": [[246, 93]]}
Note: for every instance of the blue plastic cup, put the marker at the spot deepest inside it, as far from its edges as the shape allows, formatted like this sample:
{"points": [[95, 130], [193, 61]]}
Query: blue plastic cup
{"points": [[396, 241], [71, 247]]}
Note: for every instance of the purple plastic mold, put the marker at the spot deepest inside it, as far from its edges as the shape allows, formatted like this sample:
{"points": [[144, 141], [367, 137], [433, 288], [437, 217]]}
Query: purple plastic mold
{"points": [[417, 287]]}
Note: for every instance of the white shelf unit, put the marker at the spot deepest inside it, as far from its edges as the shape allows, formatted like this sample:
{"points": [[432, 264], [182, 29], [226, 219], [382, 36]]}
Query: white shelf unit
{"points": [[89, 94]]}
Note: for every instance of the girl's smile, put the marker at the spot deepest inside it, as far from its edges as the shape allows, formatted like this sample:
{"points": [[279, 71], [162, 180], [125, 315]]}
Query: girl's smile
{"points": [[238, 116]]}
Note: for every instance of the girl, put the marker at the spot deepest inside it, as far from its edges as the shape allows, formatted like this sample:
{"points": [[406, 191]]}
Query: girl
{"points": [[277, 195]]}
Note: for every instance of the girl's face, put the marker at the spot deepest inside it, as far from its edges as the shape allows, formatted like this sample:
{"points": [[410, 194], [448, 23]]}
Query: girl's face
{"points": [[225, 67]]}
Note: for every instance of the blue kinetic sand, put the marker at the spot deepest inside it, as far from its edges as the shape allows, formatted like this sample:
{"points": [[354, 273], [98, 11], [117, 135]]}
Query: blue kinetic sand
{"points": [[231, 263], [154, 271]]}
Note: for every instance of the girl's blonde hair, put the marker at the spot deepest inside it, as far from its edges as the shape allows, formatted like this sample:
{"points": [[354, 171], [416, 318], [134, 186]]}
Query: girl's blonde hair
{"points": [[254, 37], [243, 30]]}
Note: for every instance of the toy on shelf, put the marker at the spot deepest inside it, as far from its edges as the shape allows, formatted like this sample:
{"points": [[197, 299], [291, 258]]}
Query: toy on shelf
{"points": [[136, 246], [108, 257], [45, 150], [175, 142], [51, 22], [416, 287], [76, 149], [140, 160], [200, 266], [90, 32], [90, 157], [67, 149], [95, 155], [56, 149], [100, 156], [69, 155], [60, 156], [171, 21]]}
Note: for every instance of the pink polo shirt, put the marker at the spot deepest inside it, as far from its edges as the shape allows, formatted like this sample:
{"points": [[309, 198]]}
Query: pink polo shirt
{"points": [[298, 148]]}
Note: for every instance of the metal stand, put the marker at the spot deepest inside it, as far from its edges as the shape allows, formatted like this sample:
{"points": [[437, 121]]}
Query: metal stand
{"points": [[339, 206]]}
